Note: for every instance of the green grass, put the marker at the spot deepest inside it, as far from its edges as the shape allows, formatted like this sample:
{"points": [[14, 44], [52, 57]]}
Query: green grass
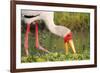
{"points": [[54, 57], [55, 45]]}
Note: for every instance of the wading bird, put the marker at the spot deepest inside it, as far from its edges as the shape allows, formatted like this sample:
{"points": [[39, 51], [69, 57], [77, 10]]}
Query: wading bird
{"points": [[31, 17]]}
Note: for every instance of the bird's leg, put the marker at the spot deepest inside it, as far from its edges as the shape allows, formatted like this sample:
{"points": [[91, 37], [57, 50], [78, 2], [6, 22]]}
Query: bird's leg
{"points": [[37, 45], [26, 40], [68, 39], [36, 35]]}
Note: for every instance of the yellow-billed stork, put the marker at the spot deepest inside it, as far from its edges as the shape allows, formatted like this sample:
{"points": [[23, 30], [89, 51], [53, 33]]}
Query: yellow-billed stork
{"points": [[30, 16]]}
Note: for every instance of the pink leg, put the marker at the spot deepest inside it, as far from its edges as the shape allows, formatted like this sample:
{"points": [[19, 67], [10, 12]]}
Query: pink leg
{"points": [[26, 40], [36, 36], [37, 45]]}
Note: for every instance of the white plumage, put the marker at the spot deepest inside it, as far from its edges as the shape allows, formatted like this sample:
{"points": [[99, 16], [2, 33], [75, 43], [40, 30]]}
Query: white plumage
{"points": [[48, 18]]}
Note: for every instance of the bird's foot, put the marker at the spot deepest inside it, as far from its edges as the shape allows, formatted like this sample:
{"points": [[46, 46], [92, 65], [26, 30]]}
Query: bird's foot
{"points": [[43, 49]]}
